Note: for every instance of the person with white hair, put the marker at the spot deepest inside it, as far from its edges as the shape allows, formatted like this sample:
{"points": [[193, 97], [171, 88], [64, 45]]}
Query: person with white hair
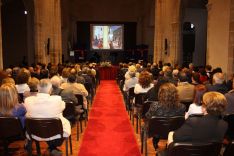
{"points": [[44, 105], [66, 95], [131, 70], [218, 84]]}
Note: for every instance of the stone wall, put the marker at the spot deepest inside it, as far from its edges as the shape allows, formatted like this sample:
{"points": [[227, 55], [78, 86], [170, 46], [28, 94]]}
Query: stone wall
{"points": [[167, 31], [1, 59], [48, 26], [218, 30]]}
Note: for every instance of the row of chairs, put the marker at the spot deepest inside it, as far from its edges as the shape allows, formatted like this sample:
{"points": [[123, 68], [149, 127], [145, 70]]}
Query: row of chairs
{"points": [[161, 126], [11, 130]]}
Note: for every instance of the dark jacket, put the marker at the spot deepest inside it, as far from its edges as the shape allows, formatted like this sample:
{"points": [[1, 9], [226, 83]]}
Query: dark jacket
{"points": [[156, 110], [207, 128], [230, 102], [221, 88], [66, 95]]}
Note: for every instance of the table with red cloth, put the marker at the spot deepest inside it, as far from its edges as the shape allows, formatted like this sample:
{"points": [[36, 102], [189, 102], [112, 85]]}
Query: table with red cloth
{"points": [[108, 73]]}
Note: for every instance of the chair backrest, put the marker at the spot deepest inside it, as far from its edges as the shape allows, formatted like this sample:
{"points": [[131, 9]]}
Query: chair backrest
{"points": [[229, 149], [140, 99], [10, 127], [163, 125], [230, 131], [145, 108], [69, 112], [88, 87], [80, 99], [20, 97], [131, 93], [194, 149], [187, 104], [43, 127]]}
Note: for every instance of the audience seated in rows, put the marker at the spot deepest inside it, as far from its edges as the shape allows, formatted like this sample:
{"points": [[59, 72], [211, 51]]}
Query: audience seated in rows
{"points": [[168, 105], [185, 89], [44, 105], [152, 94], [76, 88]]}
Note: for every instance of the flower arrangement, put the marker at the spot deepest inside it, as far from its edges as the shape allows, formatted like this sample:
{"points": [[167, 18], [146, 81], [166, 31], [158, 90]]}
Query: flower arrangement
{"points": [[105, 64]]}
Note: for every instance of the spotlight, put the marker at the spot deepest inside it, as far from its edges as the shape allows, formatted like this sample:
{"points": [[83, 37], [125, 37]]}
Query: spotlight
{"points": [[192, 26], [25, 12]]}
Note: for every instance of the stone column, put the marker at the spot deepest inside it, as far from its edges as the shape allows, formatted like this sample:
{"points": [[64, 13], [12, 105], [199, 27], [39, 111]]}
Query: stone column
{"points": [[1, 57], [167, 30], [48, 28], [219, 43], [230, 69]]}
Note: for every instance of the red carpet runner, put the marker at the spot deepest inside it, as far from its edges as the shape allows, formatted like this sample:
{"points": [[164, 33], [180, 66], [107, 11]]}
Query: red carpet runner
{"points": [[109, 132]]}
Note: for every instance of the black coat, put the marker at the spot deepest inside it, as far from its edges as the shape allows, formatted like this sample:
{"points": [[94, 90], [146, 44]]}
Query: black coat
{"points": [[207, 128]]}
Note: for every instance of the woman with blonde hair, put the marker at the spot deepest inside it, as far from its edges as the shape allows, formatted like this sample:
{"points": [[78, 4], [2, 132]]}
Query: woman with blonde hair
{"points": [[32, 83], [9, 105], [208, 128], [167, 105], [8, 80]]}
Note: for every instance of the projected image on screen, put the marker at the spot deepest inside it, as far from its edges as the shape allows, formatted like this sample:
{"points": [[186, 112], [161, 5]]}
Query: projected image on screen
{"points": [[107, 37]]}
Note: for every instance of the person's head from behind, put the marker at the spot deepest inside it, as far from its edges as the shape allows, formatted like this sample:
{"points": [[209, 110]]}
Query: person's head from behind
{"points": [[200, 90], [22, 77], [132, 74], [183, 77], [8, 80], [138, 66], [214, 103], [3, 75], [71, 78], [208, 67], [44, 86], [132, 68], [85, 70], [33, 84], [66, 72], [167, 70], [9, 71], [196, 78], [168, 95], [73, 71], [56, 81], [145, 78], [218, 78], [8, 98], [53, 71]]}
